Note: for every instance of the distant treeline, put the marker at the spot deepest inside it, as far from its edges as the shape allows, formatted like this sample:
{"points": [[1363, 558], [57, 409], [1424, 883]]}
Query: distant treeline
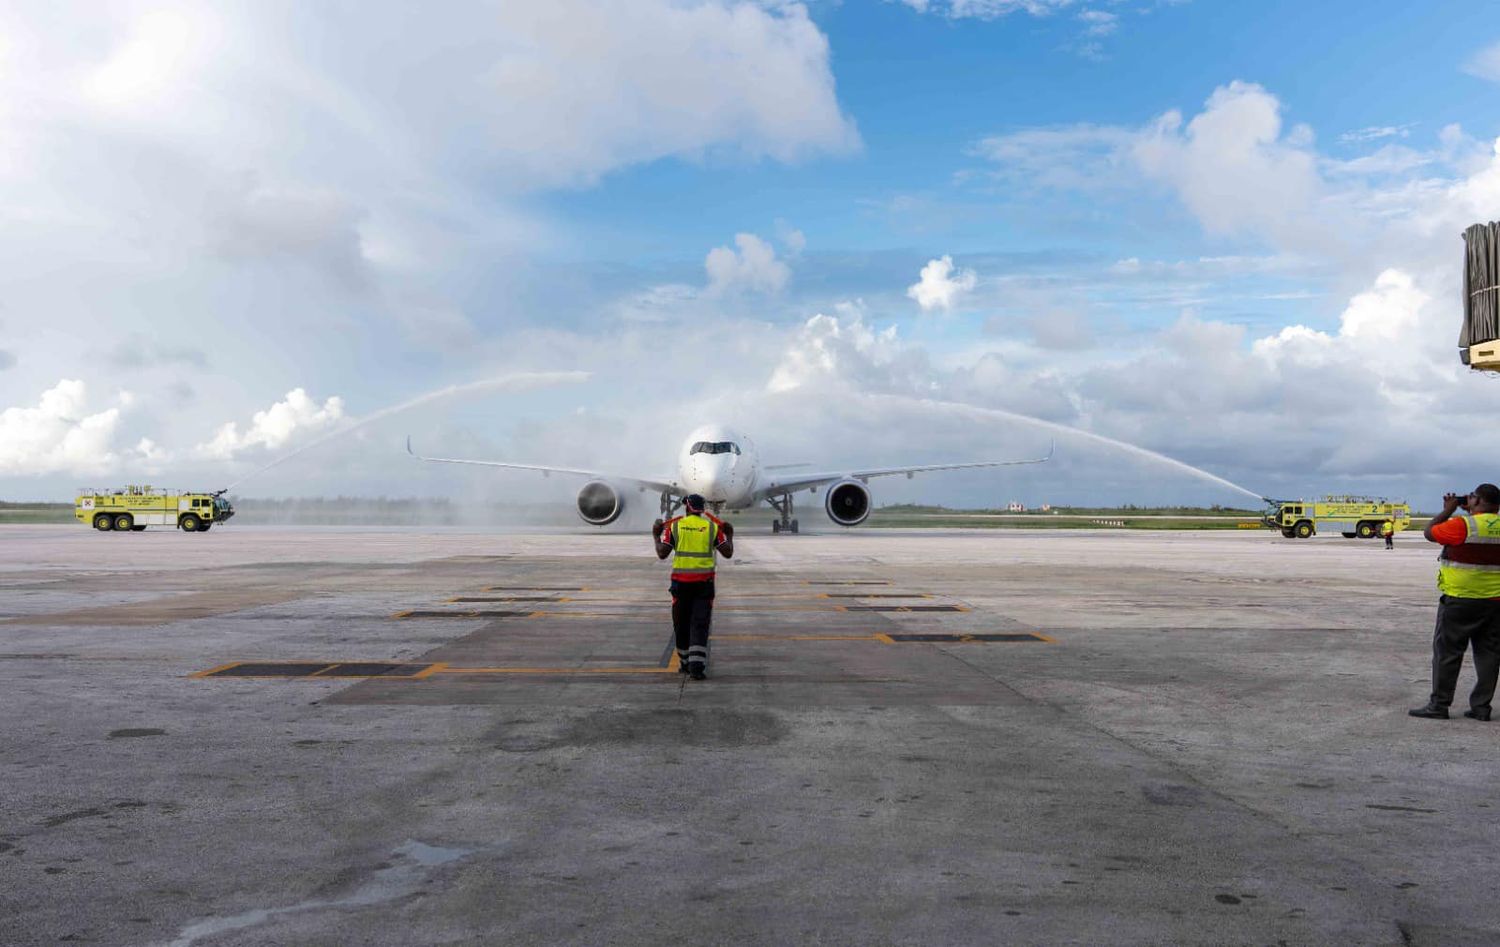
{"points": [[1126, 510]]}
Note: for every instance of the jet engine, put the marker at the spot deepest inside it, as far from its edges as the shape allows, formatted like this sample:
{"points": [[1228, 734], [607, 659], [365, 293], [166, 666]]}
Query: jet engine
{"points": [[847, 502], [600, 504]]}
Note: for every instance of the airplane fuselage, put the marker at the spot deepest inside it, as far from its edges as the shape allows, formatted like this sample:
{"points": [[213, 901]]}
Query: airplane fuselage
{"points": [[721, 464]]}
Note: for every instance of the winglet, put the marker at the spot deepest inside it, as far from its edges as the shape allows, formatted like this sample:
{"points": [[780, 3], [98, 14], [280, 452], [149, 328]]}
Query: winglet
{"points": [[1051, 448], [408, 446]]}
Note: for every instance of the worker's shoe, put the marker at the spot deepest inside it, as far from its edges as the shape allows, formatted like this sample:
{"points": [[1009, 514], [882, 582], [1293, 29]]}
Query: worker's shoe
{"points": [[1477, 714], [1429, 712], [697, 673]]}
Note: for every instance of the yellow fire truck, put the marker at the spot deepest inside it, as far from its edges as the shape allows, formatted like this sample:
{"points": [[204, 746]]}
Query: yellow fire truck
{"points": [[1350, 515], [134, 508]]}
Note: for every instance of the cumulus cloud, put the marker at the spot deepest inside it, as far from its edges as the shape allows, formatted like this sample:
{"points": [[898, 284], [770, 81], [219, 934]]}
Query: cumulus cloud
{"points": [[940, 285], [58, 434], [276, 426], [1231, 165], [753, 267], [843, 349]]}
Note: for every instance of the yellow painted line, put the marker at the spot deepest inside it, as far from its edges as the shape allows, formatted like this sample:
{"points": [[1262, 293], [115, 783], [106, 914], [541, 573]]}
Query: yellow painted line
{"points": [[428, 672], [222, 667], [885, 639], [795, 637], [402, 614], [500, 600], [1041, 637], [497, 670], [672, 663]]}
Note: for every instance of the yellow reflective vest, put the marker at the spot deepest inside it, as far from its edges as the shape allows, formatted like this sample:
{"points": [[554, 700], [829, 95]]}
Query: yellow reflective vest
{"points": [[695, 540], [1387, 528], [1472, 570]]}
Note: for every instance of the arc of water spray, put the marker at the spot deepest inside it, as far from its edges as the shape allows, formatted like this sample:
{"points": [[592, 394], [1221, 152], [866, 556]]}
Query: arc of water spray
{"points": [[518, 381], [1073, 432]]}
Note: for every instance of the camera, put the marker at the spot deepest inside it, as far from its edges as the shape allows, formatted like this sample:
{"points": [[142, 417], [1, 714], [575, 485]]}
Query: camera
{"points": [[1463, 498]]}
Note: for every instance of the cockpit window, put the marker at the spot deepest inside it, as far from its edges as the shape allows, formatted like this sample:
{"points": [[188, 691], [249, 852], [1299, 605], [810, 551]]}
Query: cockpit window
{"points": [[715, 447]]}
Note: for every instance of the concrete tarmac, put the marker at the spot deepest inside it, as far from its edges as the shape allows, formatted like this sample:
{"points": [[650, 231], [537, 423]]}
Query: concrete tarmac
{"points": [[402, 736]]}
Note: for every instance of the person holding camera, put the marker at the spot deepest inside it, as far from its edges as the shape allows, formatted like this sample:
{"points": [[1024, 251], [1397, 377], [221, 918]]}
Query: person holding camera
{"points": [[693, 540], [1469, 607]]}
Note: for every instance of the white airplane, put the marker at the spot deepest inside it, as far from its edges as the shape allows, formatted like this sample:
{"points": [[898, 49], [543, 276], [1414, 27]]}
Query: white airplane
{"points": [[724, 467]]}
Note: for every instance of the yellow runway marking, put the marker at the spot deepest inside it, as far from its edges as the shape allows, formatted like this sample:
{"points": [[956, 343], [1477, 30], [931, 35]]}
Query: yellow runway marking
{"points": [[796, 637], [215, 670], [493, 670]]}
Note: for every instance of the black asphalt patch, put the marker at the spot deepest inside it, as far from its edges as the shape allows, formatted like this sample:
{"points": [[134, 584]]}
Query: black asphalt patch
{"points": [[1025, 636], [324, 669], [457, 613], [904, 608], [371, 669]]}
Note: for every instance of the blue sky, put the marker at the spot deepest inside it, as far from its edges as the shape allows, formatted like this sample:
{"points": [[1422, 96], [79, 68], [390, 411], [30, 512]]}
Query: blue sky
{"points": [[1226, 231]]}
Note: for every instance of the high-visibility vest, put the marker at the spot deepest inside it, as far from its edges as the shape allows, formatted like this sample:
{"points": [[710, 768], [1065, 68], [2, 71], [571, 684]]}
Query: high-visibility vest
{"points": [[1472, 570], [1387, 528], [694, 539]]}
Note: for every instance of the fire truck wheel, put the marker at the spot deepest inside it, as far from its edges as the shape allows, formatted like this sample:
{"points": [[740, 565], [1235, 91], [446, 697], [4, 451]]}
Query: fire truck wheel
{"points": [[1304, 529], [104, 522], [191, 523], [1288, 534], [1366, 530], [205, 527], [124, 523]]}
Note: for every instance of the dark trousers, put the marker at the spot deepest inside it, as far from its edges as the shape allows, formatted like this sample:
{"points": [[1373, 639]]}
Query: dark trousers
{"points": [[1390, 541], [692, 615], [1463, 623]]}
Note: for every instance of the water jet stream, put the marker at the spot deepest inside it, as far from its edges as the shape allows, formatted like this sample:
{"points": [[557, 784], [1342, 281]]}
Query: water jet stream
{"points": [[1053, 426], [520, 381]]}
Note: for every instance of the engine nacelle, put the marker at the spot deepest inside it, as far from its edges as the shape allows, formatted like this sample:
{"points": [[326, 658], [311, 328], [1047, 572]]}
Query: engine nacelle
{"points": [[600, 504], [847, 502]]}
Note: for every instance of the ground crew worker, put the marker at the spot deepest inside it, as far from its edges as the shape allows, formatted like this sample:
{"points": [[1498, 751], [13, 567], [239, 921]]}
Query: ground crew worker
{"points": [[1388, 530], [692, 540], [1469, 607]]}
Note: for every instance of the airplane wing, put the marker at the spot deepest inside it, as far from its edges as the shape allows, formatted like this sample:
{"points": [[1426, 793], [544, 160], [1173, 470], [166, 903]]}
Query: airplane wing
{"points": [[657, 485], [782, 485]]}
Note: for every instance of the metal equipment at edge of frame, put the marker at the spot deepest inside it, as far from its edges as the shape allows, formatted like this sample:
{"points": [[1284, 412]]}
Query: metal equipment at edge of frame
{"points": [[1479, 338], [133, 508]]}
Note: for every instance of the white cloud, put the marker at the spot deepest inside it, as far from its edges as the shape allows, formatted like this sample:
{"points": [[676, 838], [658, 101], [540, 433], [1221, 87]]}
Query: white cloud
{"points": [[842, 349], [754, 267], [1236, 138], [1485, 64], [276, 426], [649, 79], [1377, 132], [986, 9], [940, 285], [58, 435], [1099, 22]]}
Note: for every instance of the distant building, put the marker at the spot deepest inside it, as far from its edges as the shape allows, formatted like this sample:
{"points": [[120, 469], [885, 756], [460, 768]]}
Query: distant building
{"points": [[1016, 506], [1046, 507]]}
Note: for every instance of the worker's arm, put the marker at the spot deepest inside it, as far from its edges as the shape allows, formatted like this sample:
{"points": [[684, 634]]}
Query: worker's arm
{"points": [[1450, 506], [659, 535], [726, 540]]}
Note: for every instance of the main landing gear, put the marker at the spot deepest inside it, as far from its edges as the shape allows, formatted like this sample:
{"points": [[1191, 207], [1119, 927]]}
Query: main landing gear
{"points": [[783, 505]]}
